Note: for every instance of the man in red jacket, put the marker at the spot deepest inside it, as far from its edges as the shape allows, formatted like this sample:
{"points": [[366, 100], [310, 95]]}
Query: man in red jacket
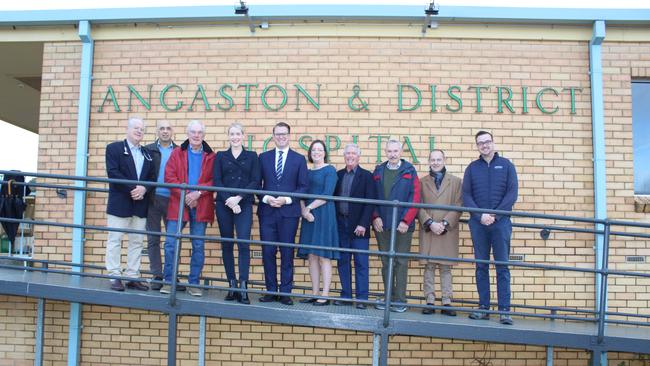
{"points": [[191, 163]]}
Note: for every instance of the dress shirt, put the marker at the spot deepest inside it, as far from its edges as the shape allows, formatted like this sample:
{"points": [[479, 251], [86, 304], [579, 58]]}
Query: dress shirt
{"points": [[138, 158]]}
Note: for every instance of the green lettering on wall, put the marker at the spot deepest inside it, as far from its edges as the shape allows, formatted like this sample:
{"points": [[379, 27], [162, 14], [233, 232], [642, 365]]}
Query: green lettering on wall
{"points": [[301, 142], [524, 99], [328, 142], [284, 97], [572, 91], [226, 96], [400, 92], [200, 91], [407, 142], [538, 100], [432, 87], [432, 143], [247, 88], [266, 143], [109, 93], [163, 93], [478, 95], [301, 90], [355, 139], [455, 97], [379, 143], [501, 101], [249, 142], [145, 103]]}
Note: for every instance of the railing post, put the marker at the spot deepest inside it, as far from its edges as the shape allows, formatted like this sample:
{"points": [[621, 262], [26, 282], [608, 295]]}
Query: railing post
{"points": [[603, 283], [171, 339], [40, 330], [388, 290], [202, 332], [177, 247]]}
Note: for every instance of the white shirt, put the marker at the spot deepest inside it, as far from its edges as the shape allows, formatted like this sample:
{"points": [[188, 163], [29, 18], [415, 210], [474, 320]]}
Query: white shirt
{"points": [[138, 158]]}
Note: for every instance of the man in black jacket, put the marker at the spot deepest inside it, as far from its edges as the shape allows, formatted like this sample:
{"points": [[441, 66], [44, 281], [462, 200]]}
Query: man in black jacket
{"points": [[127, 203], [160, 151], [354, 224]]}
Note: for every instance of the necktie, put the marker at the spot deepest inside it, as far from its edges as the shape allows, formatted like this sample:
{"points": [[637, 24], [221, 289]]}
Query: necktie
{"points": [[279, 166]]}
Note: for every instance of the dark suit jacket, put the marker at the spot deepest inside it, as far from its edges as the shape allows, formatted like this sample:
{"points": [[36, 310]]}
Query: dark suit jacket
{"points": [[294, 180], [362, 187], [243, 172], [120, 165]]}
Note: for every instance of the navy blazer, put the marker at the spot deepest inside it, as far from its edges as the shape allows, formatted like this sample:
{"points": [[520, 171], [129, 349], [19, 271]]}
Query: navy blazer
{"points": [[120, 165], [243, 172], [294, 180], [362, 187]]}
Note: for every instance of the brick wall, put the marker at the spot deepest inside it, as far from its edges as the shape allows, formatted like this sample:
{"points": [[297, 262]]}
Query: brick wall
{"points": [[552, 154]]}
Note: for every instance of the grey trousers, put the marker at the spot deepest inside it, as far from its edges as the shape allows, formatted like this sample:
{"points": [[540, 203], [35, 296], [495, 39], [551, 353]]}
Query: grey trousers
{"points": [[157, 212], [445, 283], [401, 264]]}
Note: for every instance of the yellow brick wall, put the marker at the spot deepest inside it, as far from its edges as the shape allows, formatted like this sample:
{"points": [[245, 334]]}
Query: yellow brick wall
{"points": [[552, 154]]}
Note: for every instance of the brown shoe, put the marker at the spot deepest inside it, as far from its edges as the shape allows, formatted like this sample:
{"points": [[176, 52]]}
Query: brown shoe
{"points": [[116, 285], [137, 286]]}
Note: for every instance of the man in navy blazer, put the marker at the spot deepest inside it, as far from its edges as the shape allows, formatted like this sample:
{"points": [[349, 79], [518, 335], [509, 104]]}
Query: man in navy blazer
{"points": [[127, 206], [354, 225], [283, 170]]}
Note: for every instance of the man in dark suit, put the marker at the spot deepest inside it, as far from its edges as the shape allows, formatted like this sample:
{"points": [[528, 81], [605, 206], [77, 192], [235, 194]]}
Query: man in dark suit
{"points": [[354, 224], [127, 206], [283, 170]]}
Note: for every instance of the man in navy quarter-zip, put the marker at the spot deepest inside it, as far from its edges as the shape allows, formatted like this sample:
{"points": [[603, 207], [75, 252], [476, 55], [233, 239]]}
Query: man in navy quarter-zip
{"points": [[490, 182]]}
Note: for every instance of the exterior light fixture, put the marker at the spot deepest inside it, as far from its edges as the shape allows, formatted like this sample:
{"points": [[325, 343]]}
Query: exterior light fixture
{"points": [[430, 11], [242, 9]]}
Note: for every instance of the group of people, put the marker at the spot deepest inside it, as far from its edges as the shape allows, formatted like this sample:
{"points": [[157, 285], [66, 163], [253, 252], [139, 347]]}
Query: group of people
{"points": [[490, 182]]}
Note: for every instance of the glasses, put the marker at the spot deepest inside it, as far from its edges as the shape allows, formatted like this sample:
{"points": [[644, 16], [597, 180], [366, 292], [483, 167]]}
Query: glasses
{"points": [[281, 134], [483, 143]]}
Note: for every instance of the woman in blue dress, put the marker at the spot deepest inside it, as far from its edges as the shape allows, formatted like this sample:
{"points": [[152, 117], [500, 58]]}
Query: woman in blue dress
{"points": [[319, 223]]}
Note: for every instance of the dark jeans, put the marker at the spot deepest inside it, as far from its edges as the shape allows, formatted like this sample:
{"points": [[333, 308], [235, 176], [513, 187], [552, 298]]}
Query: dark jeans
{"points": [[401, 264], [277, 228], [228, 224], [345, 263], [495, 237], [156, 213]]}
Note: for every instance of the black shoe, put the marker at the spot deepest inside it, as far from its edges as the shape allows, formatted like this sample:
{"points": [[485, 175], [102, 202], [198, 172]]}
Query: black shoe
{"points": [[232, 295], [342, 302], [156, 286], [307, 300], [428, 311], [137, 286], [269, 298], [243, 296], [321, 303], [116, 285], [448, 312], [179, 287], [361, 306], [286, 300]]}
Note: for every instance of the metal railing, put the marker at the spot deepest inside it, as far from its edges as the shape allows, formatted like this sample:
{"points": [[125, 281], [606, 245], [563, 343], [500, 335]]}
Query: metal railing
{"points": [[598, 315]]}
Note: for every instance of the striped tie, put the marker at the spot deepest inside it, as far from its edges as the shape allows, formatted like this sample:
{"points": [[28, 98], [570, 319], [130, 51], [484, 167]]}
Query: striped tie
{"points": [[278, 166]]}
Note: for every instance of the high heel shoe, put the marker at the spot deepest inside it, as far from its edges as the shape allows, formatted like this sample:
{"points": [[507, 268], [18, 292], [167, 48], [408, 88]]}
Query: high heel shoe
{"points": [[231, 295], [243, 296]]}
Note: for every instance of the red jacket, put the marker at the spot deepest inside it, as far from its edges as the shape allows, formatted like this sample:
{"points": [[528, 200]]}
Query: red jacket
{"points": [[176, 172]]}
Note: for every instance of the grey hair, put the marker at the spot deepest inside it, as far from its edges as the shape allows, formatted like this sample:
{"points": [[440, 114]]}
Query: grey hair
{"points": [[195, 122], [352, 146], [132, 120], [236, 125], [393, 141]]}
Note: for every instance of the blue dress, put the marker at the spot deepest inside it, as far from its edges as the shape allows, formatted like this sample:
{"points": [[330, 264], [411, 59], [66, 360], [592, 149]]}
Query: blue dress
{"points": [[323, 230]]}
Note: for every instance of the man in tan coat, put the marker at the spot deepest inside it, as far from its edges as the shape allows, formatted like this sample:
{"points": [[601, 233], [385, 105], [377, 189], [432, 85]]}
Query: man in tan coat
{"points": [[439, 230]]}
